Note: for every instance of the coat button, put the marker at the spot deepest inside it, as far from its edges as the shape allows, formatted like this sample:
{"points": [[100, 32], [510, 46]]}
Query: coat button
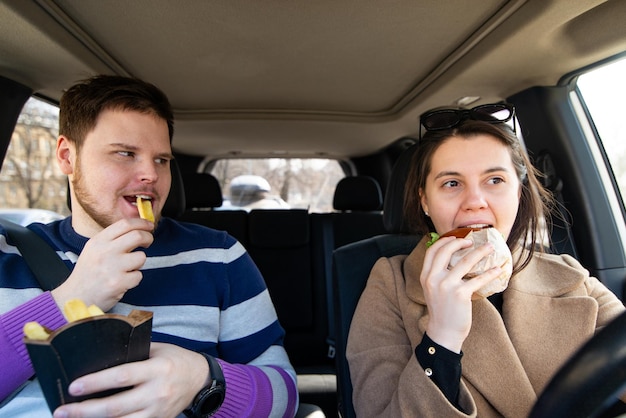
{"points": [[431, 350], [428, 371]]}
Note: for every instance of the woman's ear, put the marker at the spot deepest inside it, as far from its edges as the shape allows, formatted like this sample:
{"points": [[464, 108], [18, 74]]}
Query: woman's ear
{"points": [[65, 155], [423, 201]]}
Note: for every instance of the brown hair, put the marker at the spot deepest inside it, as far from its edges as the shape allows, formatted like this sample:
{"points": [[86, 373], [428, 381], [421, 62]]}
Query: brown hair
{"points": [[536, 202], [82, 103]]}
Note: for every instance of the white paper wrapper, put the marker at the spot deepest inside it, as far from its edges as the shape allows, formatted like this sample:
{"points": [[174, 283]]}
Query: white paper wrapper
{"points": [[500, 257]]}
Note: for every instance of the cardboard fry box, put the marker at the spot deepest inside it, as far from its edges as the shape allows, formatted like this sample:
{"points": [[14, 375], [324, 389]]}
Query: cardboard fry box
{"points": [[86, 346]]}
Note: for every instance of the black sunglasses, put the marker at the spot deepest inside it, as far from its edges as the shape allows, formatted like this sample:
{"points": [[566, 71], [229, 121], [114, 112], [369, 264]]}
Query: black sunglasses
{"points": [[441, 119]]}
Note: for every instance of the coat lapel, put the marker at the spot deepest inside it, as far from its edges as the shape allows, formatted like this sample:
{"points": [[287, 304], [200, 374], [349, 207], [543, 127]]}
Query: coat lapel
{"points": [[492, 366], [545, 327]]}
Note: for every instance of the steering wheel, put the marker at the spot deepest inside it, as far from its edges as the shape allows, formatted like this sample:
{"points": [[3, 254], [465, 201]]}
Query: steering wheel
{"points": [[590, 378]]}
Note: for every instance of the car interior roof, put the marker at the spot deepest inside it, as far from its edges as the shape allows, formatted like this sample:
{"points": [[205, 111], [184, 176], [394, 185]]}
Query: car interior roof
{"points": [[346, 78]]}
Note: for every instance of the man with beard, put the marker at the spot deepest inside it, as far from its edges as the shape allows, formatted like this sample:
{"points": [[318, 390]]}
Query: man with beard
{"points": [[211, 307]]}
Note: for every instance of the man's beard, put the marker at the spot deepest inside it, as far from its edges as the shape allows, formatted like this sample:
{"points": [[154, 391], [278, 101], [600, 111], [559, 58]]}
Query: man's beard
{"points": [[88, 202]]}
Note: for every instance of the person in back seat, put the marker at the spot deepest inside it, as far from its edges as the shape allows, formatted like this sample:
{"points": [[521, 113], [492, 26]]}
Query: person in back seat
{"points": [[212, 312], [419, 327]]}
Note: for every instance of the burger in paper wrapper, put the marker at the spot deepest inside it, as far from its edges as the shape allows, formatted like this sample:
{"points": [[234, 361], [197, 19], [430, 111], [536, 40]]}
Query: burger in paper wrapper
{"points": [[501, 256]]}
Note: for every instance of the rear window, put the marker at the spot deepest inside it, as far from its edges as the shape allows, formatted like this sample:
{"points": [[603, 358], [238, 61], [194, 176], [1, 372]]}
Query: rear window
{"points": [[277, 183]]}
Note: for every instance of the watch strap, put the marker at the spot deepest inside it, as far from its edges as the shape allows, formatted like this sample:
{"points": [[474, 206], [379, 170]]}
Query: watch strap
{"points": [[210, 398]]}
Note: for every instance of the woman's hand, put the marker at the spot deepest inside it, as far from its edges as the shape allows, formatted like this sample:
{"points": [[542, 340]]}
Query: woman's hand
{"points": [[162, 386], [448, 296]]}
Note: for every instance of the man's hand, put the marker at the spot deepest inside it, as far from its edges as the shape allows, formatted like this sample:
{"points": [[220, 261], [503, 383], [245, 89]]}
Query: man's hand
{"points": [[162, 386], [107, 267]]}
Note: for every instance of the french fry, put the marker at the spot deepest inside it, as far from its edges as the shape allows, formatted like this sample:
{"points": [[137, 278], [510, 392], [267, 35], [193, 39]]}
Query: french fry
{"points": [[35, 331], [145, 209], [94, 310], [75, 309]]}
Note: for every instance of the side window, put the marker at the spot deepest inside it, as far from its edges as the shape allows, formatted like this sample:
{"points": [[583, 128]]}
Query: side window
{"points": [[268, 183], [603, 91], [32, 188]]}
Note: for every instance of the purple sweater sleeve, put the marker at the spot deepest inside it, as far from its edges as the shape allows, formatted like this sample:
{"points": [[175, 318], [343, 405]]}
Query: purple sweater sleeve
{"points": [[249, 392], [14, 361]]}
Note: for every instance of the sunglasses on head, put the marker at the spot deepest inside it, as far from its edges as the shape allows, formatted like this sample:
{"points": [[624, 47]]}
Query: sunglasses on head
{"points": [[441, 119]]}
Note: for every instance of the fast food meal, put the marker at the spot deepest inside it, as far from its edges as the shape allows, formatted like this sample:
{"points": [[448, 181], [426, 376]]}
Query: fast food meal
{"points": [[89, 342], [145, 209], [76, 309], [501, 256], [73, 309]]}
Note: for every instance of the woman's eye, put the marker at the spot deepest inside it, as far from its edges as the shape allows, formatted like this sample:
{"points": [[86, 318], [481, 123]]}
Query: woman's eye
{"points": [[451, 183], [496, 180]]}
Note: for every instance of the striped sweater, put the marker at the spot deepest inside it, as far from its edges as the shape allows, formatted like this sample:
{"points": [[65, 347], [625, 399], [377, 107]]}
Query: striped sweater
{"points": [[206, 295]]}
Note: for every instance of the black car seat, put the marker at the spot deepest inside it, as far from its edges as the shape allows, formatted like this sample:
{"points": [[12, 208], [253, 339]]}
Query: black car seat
{"points": [[202, 191], [358, 204], [175, 203], [203, 195], [352, 265]]}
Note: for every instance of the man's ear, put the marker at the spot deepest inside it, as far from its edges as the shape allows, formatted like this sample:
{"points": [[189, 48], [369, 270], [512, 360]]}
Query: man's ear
{"points": [[66, 155]]}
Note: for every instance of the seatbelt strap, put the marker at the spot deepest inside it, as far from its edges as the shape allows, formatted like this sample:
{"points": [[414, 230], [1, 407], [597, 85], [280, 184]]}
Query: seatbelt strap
{"points": [[41, 258], [328, 246]]}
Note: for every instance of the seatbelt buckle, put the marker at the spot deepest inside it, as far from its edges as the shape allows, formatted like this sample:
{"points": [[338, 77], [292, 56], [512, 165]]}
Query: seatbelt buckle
{"points": [[331, 348]]}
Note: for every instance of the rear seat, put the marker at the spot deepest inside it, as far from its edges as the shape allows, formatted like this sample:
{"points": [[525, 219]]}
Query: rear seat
{"points": [[202, 195], [358, 204], [293, 250], [280, 243], [358, 215]]}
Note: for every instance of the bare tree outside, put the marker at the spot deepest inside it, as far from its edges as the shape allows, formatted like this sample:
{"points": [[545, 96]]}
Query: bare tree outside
{"points": [[30, 177], [302, 183]]}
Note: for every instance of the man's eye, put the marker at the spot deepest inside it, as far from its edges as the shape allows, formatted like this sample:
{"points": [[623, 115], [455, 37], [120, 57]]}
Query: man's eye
{"points": [[161, 161], [125, 153]]}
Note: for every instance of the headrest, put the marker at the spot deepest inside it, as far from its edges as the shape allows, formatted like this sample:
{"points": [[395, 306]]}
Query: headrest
{"points": [[358, 193], [175, 203], [393, 210], [202, 190]]}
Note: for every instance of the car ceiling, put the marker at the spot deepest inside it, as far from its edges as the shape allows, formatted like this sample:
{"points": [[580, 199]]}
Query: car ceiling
{"points": [[306, 78]]}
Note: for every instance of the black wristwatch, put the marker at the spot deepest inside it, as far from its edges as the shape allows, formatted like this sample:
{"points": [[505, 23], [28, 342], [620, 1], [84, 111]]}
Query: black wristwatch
{"points": [[210, 398]]}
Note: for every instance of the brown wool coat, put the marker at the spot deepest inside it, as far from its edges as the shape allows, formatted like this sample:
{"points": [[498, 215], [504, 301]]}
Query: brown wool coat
{"points": [[550, 309]]}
